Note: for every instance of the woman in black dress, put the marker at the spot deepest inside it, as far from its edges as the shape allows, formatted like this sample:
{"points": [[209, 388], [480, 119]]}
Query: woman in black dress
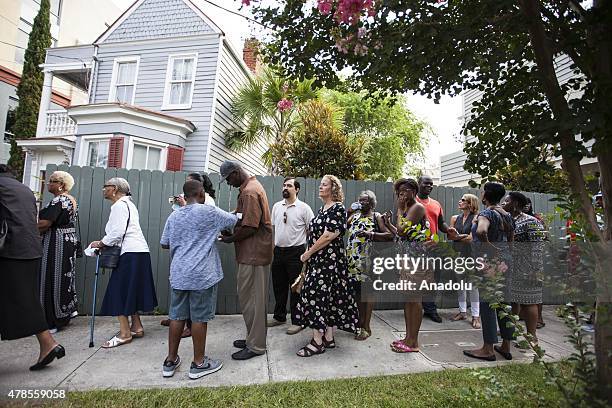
{"points": [[57, 223], [327, 301], [21, 314]]}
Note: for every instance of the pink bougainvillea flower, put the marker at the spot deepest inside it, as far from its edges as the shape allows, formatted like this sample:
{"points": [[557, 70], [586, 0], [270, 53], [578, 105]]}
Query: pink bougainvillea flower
{"points": [[284, 105], [324, 6], [246, 2]]}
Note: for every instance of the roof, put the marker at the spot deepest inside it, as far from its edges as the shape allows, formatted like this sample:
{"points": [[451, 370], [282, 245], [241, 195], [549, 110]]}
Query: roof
{"points": [[153, 19]]}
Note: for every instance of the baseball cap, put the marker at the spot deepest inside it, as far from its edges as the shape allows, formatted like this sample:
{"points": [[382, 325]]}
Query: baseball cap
{"points": [[227, 167]]}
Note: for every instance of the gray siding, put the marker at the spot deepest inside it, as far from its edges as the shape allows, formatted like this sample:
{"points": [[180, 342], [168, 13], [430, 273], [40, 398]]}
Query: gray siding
{"points": [[231, 76], [151, 79], [155, 19]]}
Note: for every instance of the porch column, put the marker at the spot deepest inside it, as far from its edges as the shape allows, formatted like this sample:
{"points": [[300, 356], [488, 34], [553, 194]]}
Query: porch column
{"points": [[45, 101]]}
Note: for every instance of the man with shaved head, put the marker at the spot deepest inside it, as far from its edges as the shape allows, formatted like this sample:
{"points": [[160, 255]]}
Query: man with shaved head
{"points": [[195, 272]]}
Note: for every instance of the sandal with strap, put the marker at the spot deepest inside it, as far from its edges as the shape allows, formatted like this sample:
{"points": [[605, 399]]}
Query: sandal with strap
{"points": [[116, 342], [138, 334], [401, 347], [329, 344], [363, 335], [458, 316], [308, 352], [476, 323]]}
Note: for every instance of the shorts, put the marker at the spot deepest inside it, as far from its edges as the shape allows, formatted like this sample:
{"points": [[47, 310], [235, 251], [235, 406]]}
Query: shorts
{"points": [[197, 305]]}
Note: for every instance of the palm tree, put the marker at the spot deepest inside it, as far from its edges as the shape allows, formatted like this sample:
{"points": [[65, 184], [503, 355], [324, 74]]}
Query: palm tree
{"points": [[266, 106]]}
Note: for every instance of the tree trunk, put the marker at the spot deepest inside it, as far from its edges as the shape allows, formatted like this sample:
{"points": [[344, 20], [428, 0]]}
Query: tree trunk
{"points": [[554, 94], [544, 59]]}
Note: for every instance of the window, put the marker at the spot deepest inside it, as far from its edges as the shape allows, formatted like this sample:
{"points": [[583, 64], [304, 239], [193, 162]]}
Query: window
{"points": [[146, 157], [97, 155], [123, 82], [180, 81]]}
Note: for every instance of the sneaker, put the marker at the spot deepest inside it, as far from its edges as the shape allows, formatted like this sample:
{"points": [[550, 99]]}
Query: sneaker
{"points": [[170, 367], [208, 366]]}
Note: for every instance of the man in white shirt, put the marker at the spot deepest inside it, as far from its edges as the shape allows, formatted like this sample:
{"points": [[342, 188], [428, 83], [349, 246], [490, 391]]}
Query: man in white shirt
{"points": [[290, 219]]}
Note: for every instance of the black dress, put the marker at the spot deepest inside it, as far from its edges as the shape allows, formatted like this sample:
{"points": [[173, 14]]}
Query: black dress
{"points": [[326, 298], [57, 269]]}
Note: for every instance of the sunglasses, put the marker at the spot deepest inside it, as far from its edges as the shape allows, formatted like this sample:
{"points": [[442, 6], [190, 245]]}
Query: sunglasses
{"points": [[463, 200], [285, 217], [54, 181], [109, 185]]}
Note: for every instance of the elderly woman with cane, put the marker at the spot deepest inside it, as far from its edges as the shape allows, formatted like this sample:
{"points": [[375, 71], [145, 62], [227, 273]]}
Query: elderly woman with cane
{"points": [[130, 289]]}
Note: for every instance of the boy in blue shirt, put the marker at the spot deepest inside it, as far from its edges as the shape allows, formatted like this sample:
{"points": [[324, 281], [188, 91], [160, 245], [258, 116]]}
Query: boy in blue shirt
{"points": [[195, 272]]}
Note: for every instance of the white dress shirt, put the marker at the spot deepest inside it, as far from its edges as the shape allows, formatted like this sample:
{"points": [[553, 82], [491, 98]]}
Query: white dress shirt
{"points": [[293, 232], [115, 227]]}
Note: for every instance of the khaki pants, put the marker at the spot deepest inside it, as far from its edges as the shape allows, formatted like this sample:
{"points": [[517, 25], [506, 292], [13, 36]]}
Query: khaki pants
{"points": [[253, 298]]}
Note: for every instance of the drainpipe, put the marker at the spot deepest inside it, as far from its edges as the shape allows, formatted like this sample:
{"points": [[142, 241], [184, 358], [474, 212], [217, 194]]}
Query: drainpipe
{"points": [[93, 80]]}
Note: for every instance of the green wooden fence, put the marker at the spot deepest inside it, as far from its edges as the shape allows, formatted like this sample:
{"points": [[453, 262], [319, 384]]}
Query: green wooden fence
{"points": [[150, 193]]}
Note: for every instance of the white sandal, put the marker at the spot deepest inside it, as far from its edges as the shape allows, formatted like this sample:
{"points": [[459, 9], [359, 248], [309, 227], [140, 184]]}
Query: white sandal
{"points": [[116, 342]]}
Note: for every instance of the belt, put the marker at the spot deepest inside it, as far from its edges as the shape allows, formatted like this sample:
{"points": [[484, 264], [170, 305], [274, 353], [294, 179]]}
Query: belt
{"points": [[292, 248]]}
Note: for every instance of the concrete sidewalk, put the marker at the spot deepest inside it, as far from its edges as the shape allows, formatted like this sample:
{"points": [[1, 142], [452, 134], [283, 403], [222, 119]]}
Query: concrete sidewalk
{"points": [[138, 365]]}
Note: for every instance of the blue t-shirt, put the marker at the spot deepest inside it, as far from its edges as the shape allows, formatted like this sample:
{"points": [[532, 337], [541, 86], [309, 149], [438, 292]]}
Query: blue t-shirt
{"points": [[191, 232]]}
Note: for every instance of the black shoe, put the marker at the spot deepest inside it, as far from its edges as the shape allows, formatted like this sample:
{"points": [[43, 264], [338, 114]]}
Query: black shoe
{"points": [[505, 354], [435, 317], [244, 354], [58, 352], [240, 344], [486, 358]]}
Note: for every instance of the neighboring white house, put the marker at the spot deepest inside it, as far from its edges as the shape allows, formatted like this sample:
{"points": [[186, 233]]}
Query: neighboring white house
{"points": [[72, 22], [160, 81], [452, 171]]}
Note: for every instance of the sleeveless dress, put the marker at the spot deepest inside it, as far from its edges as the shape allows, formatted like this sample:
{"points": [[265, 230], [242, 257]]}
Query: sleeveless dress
{"points": [[326, 298]]}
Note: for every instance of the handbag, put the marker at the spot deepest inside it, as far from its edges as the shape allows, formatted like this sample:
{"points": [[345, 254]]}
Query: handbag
{"points": [[109, 255], [296, 286], [78, 246]]}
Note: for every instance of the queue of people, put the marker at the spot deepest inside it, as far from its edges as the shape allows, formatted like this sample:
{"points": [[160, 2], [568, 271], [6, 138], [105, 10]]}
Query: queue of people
{"points": [[291, 244]]}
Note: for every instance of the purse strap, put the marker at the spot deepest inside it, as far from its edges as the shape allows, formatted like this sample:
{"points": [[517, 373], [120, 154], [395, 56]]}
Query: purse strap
{"points": [[127, 224]]}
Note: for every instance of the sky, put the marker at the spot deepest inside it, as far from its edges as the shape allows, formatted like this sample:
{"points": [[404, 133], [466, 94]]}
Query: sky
{"points": [[442, 117]]}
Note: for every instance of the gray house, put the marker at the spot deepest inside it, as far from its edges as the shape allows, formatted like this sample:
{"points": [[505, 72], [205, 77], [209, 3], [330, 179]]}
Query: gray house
{"points": [[160, 82]]}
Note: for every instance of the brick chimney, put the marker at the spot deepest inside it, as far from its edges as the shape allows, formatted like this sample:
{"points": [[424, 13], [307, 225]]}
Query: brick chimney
{"points": [[250, 53]]}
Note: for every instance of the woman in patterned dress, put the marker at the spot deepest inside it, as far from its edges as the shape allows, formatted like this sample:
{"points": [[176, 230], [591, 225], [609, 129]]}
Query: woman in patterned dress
{"points": [[57, 270], [364, 227], [327, 301], [525, 282]]}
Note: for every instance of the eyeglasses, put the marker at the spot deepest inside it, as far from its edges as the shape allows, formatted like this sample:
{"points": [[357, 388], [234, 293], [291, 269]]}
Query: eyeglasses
{"points": [[285, 217], [109, 185]]}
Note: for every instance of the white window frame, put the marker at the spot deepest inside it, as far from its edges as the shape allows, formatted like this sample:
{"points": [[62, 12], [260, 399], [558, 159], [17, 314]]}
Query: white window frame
{"points": [[166, 105], [84, 148], [163, 157], [112, 94]]}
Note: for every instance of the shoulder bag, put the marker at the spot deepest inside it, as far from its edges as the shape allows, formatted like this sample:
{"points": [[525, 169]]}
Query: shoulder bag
{"points": [[109, 255]]}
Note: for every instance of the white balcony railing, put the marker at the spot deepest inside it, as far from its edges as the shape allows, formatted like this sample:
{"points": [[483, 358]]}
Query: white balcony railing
{"points": [[58, 123]]}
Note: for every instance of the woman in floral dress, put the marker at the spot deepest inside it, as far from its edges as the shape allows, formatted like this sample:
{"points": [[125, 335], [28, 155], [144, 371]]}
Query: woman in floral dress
{"points": [[57, 270], [364, 227], [327, 301]]}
